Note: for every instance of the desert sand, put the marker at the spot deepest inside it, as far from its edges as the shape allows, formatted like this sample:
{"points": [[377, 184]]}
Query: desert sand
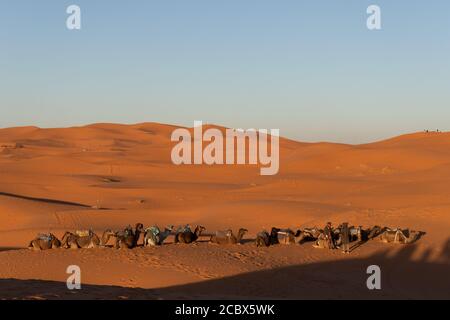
{"points": [[109, 175]]}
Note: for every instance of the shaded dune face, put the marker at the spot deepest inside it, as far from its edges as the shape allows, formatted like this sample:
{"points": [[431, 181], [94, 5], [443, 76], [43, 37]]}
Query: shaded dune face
{"points": [[107, 176]]}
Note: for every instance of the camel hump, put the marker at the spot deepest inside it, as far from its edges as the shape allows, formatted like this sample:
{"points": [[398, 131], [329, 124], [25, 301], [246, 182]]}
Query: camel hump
{"points": [[153, 230], [223, 233], [285, 231], [44, 237], [186, 228]]}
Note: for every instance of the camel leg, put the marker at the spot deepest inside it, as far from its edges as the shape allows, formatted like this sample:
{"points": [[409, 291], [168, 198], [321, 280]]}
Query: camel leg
{"points": [[35, 246], [319, 244]]}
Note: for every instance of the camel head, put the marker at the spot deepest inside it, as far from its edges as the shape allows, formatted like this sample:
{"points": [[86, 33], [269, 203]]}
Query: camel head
{"points": [[170, 227], [243, 231], [298, 233]]}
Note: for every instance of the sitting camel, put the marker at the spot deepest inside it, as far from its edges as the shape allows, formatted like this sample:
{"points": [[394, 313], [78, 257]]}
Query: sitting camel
{"points": [[80, 239], [128, 239], [322, 242], [227, 237], [44, 242], [108, 234], [287, 236], [265, 239], [154, 236], [360, 234], [187, 236], [354, 234], [309, 234], [399, 236], [374, 232]]}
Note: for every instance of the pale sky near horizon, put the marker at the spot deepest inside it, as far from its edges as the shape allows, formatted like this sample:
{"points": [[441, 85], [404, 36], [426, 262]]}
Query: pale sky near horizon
{"points": [[310, 68]]}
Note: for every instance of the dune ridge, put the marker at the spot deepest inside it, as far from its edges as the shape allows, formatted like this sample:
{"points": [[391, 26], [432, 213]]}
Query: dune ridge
{"points": [[58, 179]]}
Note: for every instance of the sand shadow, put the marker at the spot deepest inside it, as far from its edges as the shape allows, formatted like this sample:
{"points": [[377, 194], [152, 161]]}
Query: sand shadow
{"points": [[401, 278], [9, 249], [53, 201]]}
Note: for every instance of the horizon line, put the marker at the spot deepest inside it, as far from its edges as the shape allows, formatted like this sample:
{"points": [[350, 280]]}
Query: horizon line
{"points": [[437, 131]]}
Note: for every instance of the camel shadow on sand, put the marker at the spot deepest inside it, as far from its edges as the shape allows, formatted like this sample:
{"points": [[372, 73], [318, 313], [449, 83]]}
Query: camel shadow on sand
{"points": [[9, 249], [405, 274]]}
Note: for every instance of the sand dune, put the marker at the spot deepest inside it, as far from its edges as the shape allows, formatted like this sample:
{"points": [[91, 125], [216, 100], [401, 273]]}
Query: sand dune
{"points": [[60, 179]]}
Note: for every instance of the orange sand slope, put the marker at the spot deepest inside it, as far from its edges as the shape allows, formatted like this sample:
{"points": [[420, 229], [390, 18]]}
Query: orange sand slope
{"points": [[108, 176]]}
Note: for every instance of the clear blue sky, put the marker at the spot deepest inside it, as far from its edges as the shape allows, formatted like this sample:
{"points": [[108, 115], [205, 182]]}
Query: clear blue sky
{"points": [[310, 68]]}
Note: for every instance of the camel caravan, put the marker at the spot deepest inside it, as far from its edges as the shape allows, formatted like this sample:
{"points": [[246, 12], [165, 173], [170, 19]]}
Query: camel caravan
{"points": [[329, 237]]}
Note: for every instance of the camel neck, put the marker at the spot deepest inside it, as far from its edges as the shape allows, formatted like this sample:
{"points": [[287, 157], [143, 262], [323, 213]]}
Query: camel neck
{"points": [[197, 233]]}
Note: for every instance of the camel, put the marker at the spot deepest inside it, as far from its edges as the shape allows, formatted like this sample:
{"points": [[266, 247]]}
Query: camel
{"points": [[128, 239], [187, 236], [309, 234], [374, 232], [287, 236], [265, 239], [320, 238], [221, 237], [399, 236], [227, 237], [322, 242], [80, 239], [44, 242], [106, 236], [186, 228], [154, 236], [354, 234]]}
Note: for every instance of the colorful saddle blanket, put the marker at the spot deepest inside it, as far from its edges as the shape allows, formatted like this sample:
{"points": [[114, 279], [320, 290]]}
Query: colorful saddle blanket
{"points": [[186, 228], [154, 230], [83, 233], [45, 237]]}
